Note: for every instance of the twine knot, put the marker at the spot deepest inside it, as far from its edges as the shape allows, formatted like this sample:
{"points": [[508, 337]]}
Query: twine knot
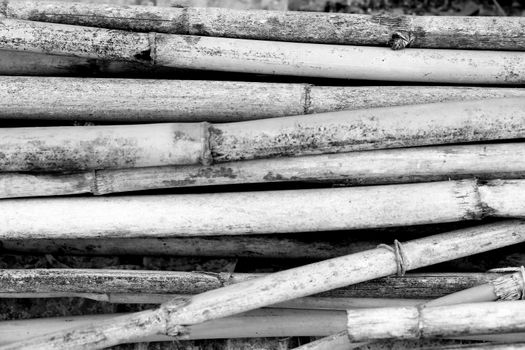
{"points": [[510, 287], [400, 256], [400, 40]]}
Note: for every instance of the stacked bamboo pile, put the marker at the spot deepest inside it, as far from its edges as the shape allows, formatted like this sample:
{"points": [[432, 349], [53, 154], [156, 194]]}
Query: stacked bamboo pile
{"points": [[244, 155]]}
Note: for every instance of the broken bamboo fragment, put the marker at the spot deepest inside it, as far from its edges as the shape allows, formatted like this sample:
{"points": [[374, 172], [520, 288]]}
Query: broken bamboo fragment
{"points": [[121, 146], [147, 100], [421, 164], [262, 212], [266, 57], [174, 317], [443, 321], [138, 284], [498, 33]]}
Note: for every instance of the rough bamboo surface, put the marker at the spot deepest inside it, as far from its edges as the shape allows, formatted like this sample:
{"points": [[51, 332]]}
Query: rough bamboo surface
{"points": [[147, 100], [276, 247], [263, 212], [136, 282], [489, 161], [495, 33], [439, 321], [266, 57], [173, 317], [374, 128], [99, 147], [485, 162]]}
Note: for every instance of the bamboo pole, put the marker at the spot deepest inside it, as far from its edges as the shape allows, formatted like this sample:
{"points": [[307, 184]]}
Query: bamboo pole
{"points": [[100, 147], [148, 100], [255, 324], [38, 64], [266, 57], [259, 323], [260, 212], [276, 247], [173, 317], [158, 285], [376, 128], [442, 321], [498, 33], [486, 161], [280, 5]]}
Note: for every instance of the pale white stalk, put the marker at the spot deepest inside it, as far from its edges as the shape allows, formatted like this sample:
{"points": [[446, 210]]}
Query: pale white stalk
{"points": [[264, 212], [442, 321]]}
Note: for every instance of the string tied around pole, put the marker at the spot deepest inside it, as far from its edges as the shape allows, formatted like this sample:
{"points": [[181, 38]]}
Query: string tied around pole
{"points": [[400, 256], [401, 39], [509, 287]]}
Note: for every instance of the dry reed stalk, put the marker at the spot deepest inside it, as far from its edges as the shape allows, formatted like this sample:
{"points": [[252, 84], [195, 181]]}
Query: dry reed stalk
{"points": [[139, 285], [264, 212], [266, 57], [99, 147], [487, 161], [148, 100], [498, 33], [172, 318]]}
